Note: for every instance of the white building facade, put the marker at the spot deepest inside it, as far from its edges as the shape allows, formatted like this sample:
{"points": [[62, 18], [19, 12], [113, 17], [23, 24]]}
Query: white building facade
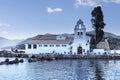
{"points": [[43, 46], [79, 43]]}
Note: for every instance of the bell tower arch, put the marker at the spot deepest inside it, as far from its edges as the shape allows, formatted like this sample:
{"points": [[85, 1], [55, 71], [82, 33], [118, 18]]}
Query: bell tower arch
{"points": [[79, 30], [79, 42]]}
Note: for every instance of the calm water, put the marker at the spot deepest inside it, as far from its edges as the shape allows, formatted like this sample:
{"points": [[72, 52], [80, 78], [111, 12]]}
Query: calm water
{"points": [[62, 70]]}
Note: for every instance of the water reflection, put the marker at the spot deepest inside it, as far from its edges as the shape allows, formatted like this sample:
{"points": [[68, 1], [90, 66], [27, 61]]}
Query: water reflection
{"points": [[96, 70], [83, 69], [62, 70], [54, 70]]}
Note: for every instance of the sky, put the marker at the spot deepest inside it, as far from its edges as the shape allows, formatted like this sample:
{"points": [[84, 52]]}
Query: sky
{"points": [[21, 19]]}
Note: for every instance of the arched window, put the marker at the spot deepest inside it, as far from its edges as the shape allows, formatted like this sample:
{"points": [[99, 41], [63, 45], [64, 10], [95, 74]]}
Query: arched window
{"points": [[78, 33], [81, 33]]}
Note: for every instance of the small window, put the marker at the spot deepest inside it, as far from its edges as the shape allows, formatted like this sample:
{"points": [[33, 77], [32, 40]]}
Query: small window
{"points": [[81, 33], [40, 45], [45, 45], [88, 41], [78, 33], [51, 45], [57, 45], [83, 50], [34, 46], [64, 45], [29, 46]]}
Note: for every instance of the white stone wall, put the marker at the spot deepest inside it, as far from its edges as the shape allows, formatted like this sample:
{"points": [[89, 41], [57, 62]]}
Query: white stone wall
{"points": [[48, 49], [80, 39], [115, 51], [98, 51], [81, 42]]}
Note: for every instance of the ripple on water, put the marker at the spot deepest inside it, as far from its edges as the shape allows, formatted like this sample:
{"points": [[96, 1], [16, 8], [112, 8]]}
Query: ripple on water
{"points": [[62, 70]]}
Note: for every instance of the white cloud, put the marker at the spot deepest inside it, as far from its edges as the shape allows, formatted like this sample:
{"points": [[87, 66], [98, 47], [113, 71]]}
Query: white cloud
{"points": [[93, 2], [4, 25], [87, 3], [114, 1], [51, 10]]}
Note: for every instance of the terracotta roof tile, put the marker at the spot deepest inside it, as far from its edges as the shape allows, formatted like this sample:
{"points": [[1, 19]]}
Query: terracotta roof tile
{"points": [[45, 37], [49, 39], [67, 41], [103, 45]]}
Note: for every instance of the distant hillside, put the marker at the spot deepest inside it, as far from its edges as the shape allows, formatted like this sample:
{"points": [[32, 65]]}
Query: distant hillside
{"points": [[21, 45], [106, 34], [5, 43], [113, 42]]}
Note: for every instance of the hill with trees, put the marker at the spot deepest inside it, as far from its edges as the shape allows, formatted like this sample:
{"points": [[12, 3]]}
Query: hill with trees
{"points": [[113, 40]]}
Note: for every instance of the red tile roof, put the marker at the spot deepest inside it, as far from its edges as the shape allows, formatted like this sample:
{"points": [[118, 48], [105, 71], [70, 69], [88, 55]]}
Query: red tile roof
{"points": [[49, 39]]}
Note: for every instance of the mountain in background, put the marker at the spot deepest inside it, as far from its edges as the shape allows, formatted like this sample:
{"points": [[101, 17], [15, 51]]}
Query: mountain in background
{"points": [[113, 40], [106, 34], [21, 45], [7, 43]]}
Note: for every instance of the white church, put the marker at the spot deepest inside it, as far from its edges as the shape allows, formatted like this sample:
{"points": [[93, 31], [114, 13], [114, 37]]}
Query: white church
{"points": [[77, 43]]}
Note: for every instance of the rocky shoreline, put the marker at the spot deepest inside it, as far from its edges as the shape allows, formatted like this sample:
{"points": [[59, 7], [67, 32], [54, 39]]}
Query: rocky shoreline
{"points": [[51, 56], [59, 56], [15, 61]]}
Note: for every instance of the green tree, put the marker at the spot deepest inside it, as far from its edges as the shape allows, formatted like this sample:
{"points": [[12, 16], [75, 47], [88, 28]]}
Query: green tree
{"points": [[98, 23], [92, 42]]}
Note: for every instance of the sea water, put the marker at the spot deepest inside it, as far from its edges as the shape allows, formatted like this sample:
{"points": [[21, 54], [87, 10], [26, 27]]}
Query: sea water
{"points": [[62, 70]]}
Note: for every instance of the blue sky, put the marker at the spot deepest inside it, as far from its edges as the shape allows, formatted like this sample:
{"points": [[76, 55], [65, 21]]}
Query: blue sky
{"points": [[20, 19]]}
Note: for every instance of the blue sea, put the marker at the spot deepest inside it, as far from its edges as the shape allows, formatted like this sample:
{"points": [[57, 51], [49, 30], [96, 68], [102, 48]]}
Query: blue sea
{"points": [[62, 70]]}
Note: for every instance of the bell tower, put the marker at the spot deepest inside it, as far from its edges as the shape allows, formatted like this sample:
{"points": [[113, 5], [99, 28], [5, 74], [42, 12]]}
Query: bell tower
{"points": [[79, 30], [80, 39]]}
